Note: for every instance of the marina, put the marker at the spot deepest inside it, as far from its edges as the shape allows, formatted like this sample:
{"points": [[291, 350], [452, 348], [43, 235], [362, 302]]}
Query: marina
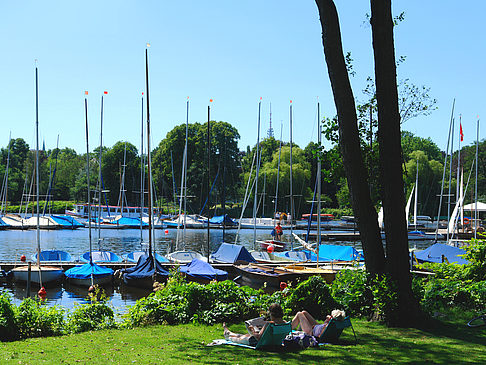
{"points": [[16, 243]]}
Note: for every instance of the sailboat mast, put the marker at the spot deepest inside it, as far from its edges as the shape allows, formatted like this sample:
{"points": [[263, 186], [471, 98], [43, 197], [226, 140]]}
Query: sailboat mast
{"points": [[476, 185], [142, 170], [37, 169], [99, 172], [185, 172], [256, 176], [278, 170], [87, 180], [209, 179], [450, 181], [415, 204], [291, 191], [319, 187], [149, 160], [443, 176]]}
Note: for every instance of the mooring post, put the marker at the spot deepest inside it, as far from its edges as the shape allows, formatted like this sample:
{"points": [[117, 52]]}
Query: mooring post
{"points": [[29, 272]]}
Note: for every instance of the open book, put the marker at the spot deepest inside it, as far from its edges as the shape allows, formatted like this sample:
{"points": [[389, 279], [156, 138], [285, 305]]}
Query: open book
{"points": [[257, 323]]}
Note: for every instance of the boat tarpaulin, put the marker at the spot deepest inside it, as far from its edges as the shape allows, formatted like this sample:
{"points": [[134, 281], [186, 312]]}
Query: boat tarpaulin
{"points": [[230, 253], [85, 271], [434, 254], [67, 221], [336, 253], [202, 270], [147, 266], [127, 221], [220, 219]]}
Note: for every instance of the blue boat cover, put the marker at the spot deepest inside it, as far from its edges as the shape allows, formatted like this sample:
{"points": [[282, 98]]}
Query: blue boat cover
{"points": [[434, 254], [146, 267], [131, 222], [202, 270], [336, 253], [66, 221], [230, 253], [84, 271], [220, 219], [135, 255], [52, 255], [100, 256]]}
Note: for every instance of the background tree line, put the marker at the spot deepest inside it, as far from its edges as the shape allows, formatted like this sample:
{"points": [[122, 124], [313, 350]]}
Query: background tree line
{"points": [[230, 170]]}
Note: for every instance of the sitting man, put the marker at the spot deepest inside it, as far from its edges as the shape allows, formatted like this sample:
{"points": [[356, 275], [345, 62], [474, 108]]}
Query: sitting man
{"points": [[276, 313]]}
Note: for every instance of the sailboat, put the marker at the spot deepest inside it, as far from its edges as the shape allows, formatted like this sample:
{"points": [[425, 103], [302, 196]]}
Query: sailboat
{"points": [[38, 274], [148, 268], [90, 273], [134, 256], [184, 221]]}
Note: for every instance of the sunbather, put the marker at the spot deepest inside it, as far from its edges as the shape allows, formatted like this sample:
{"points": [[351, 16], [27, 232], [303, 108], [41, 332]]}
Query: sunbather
{"points": [[310, 326], [275, 312]]}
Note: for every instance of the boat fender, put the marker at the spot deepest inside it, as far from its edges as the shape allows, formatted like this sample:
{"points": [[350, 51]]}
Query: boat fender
{"points": [[42, 293], [270, 248], [23, 258]]}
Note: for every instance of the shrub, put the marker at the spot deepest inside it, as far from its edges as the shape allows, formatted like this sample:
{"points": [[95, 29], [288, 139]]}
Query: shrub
{"points": [[181, 302], [351, 290], [35, 319], [8, 325], [94, 315], [476, 255], [314, 296]]}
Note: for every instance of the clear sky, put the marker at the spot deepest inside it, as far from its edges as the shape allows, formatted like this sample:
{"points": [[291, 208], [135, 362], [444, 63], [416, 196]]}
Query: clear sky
{"points": [[231, 51]]}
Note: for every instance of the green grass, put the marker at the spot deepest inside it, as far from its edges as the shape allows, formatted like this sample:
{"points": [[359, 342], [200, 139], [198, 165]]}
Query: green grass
{"points": [[442, 342]]}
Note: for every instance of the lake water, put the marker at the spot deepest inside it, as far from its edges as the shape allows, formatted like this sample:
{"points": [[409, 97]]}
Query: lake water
{"points": [[15, 243]]}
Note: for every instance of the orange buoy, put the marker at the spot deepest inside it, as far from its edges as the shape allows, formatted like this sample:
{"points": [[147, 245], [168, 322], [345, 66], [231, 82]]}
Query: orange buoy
{"points": [[270, 248], [166, 231], [23, 258]]}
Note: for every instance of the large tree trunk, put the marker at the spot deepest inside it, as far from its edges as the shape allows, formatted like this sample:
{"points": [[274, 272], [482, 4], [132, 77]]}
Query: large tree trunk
{"points": [[349, 142], [389, 139]]}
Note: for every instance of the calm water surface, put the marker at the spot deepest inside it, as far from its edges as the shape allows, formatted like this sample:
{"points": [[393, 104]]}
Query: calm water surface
{"points": [[15, 243]]}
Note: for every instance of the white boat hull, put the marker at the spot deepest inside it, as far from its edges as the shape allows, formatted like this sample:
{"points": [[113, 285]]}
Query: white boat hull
{"points": [[48, 274], [184, 257]]}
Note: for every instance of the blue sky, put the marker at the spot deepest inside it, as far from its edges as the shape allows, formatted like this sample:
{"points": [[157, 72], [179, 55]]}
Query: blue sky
{"points": [[231, 51]]}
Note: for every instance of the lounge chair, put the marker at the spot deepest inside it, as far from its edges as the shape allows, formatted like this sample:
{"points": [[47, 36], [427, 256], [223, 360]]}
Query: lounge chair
{"points": [[334, 330], [272, 337]]}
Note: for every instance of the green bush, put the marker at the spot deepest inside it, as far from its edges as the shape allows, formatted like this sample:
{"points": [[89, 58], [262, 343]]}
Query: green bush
{"points": [[182, 302], [351, 290], [8, 325], [476, 255], [35, 319], [94, 315], [314, 296]]}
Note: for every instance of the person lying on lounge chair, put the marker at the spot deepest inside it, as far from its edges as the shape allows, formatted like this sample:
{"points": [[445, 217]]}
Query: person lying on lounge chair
{"points": [[310, 326], [276, 313]]}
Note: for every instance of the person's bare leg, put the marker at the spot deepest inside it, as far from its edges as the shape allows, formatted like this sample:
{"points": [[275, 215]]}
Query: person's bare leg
{"points": [[302, 320], [311, 319]]}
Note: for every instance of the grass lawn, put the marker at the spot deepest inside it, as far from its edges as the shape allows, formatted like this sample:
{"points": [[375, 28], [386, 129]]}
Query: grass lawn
{"points": [[442, 342]]}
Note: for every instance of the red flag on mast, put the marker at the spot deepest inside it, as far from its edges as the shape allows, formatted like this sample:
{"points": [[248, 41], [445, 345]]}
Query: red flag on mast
{"points": [[460, 132]]}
